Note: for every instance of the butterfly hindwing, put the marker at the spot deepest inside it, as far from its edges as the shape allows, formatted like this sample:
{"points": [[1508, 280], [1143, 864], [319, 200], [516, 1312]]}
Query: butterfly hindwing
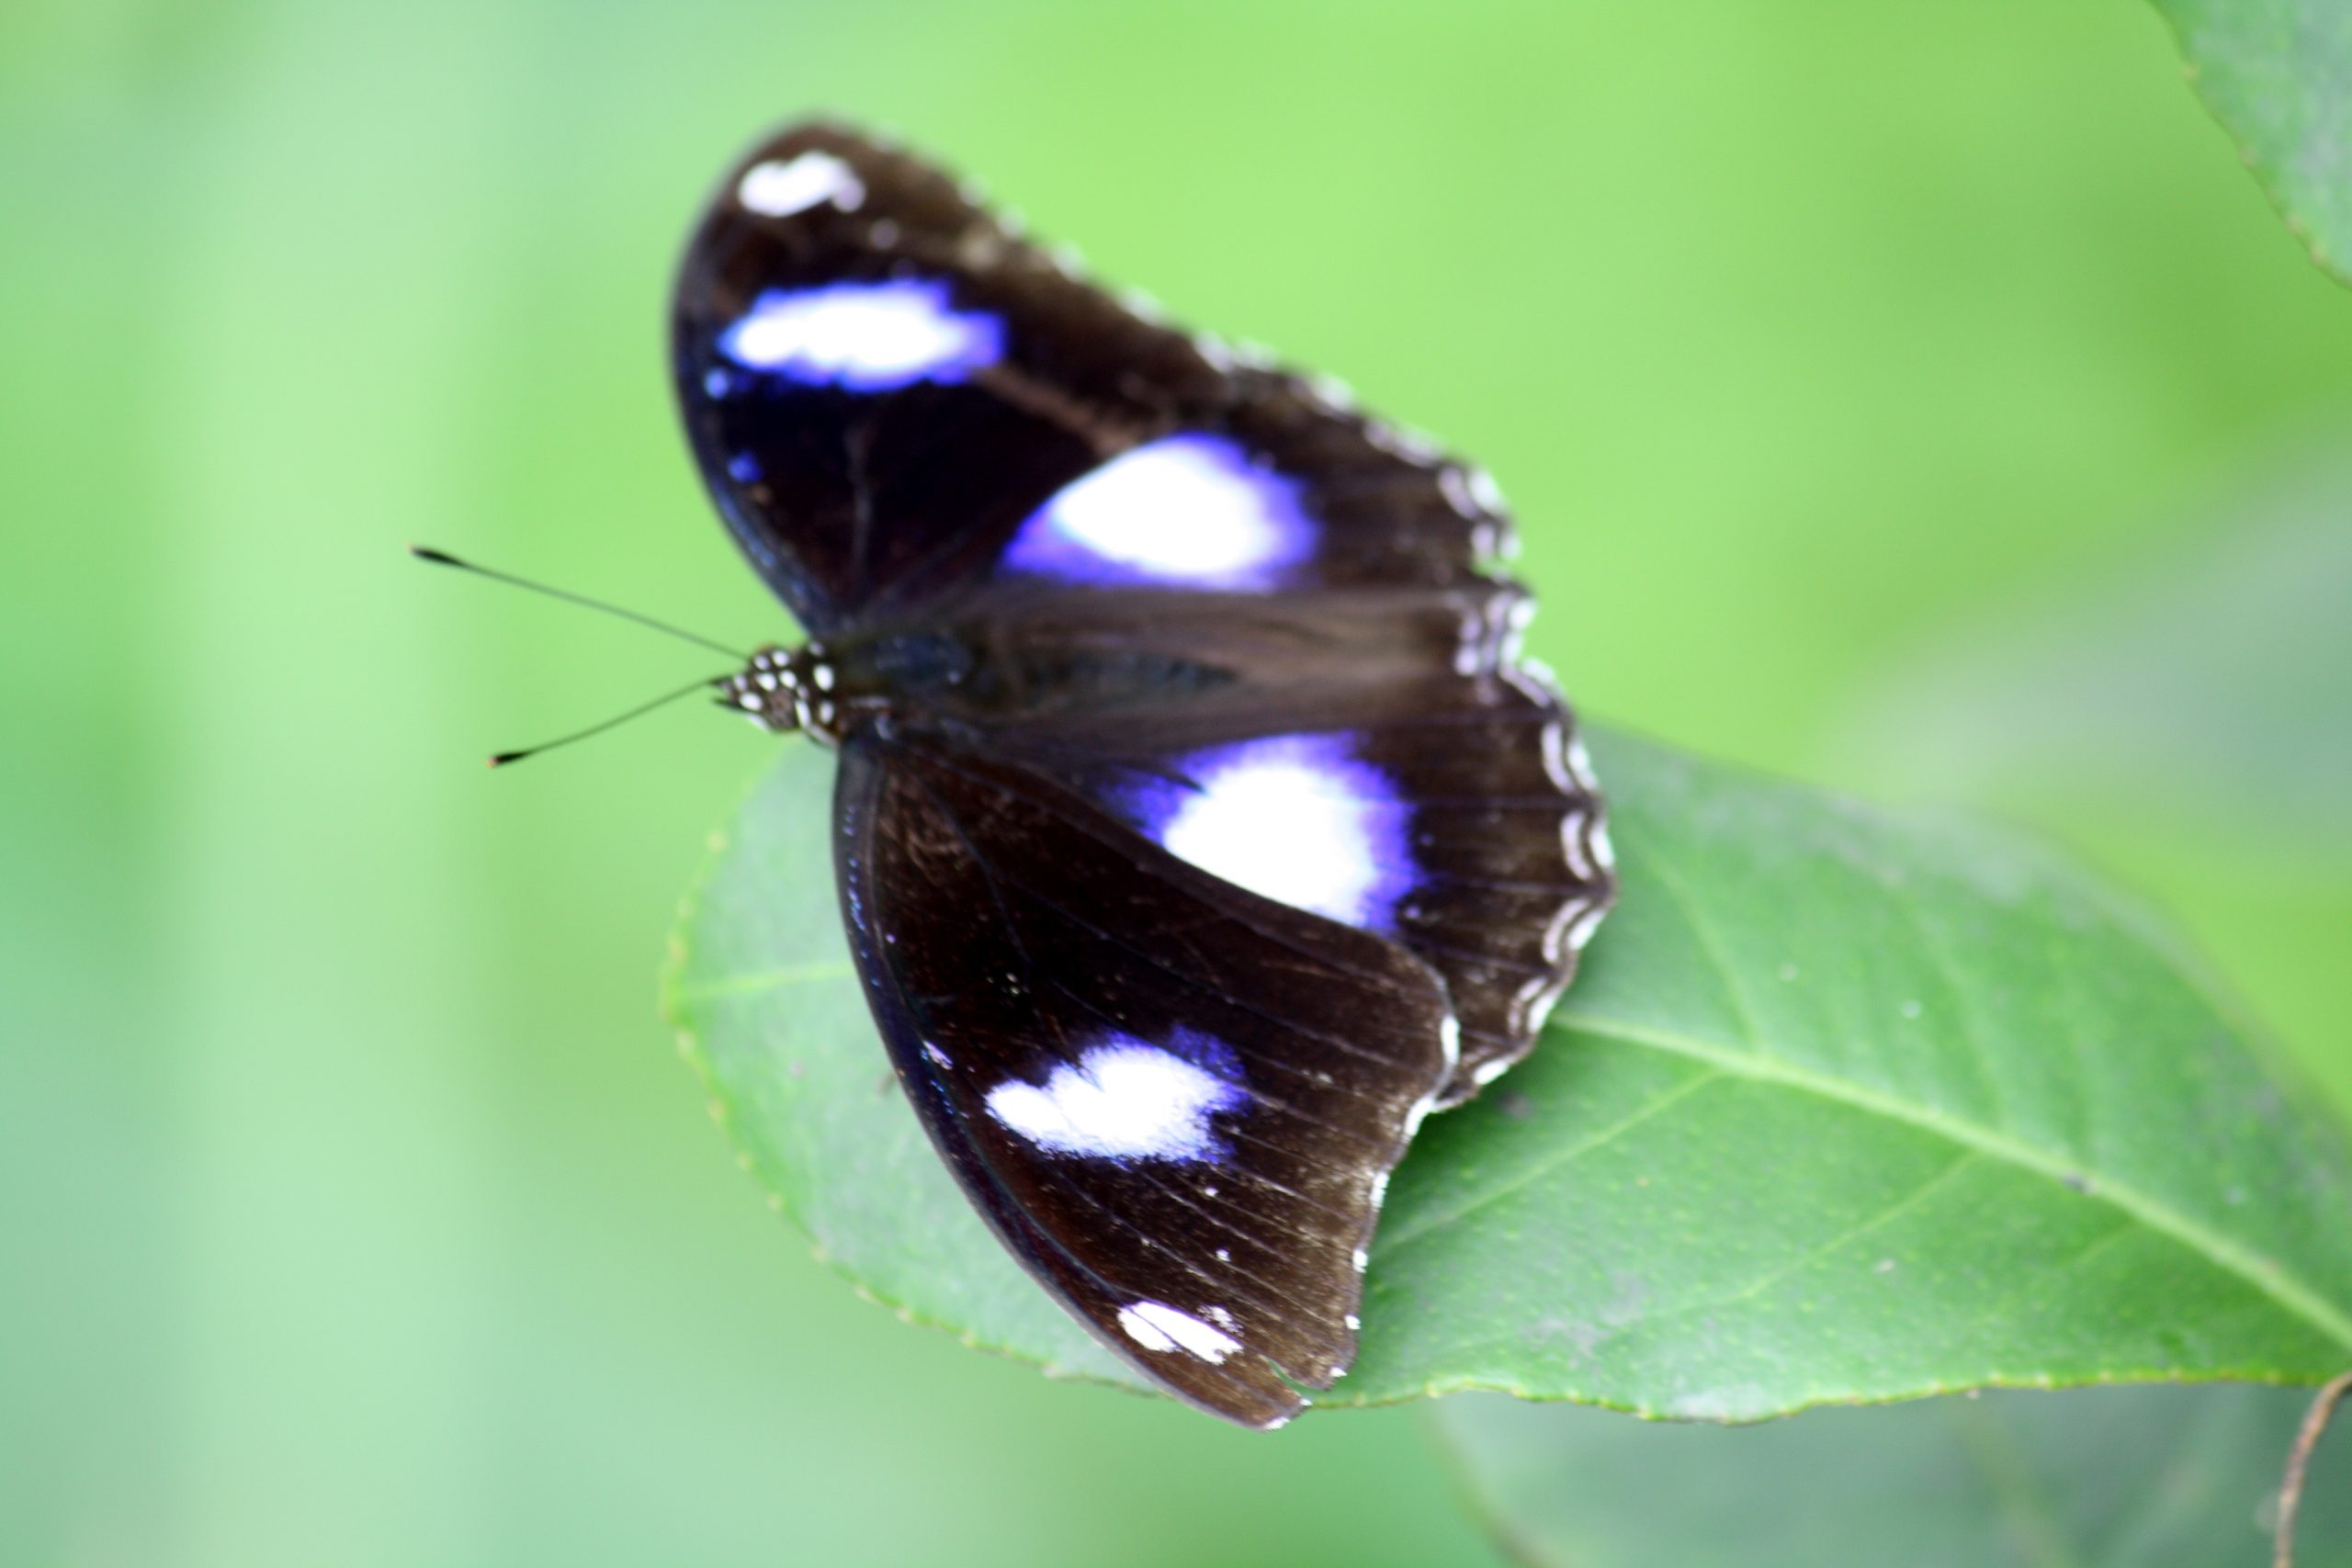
{"points": [[1394, 814], [1177, 1102], [1374, 756]]}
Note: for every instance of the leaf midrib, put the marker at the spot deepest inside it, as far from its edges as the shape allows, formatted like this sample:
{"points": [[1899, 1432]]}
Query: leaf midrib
{"points": [[2270, 1279], [2266, 1275]]}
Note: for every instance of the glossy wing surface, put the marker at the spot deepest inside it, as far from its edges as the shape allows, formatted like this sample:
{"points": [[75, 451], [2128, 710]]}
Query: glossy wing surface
{"points": [[1177, 1102], [1377, 757], [893, 396]]}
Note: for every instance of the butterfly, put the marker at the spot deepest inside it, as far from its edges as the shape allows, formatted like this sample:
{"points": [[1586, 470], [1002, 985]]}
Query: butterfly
{"points": [[1198, 827]]}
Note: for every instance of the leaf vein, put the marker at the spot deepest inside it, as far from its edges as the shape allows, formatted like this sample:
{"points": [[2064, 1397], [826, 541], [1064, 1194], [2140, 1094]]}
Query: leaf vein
{"points": [[2268, 1277], [1405, 1235]]}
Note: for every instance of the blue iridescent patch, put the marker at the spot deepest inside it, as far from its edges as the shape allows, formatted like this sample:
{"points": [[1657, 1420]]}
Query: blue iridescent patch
{"points": [[1189, 511], [864, 337]]}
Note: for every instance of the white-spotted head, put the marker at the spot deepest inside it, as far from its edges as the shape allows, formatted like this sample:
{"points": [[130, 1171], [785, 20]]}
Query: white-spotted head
{"points": [[782, 689]]}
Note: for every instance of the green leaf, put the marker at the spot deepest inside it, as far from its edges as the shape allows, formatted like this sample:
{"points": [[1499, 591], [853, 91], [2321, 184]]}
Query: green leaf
{"points": [[2277, 74], [2092, 1478], [1847, 1106]]}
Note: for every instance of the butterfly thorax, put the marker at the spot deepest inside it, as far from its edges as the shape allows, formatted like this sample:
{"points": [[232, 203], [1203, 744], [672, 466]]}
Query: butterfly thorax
{"points": [[972, 672], [827, 687]]}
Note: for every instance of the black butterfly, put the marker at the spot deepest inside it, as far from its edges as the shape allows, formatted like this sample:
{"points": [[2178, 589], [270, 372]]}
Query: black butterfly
{"points": [[1198, 827]]}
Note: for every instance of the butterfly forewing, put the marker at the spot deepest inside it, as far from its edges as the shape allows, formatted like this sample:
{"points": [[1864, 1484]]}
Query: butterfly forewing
{"points": [[891, 395], [880, 383]]}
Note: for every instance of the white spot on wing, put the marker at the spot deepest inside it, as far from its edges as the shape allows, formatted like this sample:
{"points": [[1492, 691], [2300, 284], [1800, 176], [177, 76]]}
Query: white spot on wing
{"points": [[1156, 1325], [779, 189], [1127, 1099], [1183, 511], [1457, 488], [1410, 445], [1572, 832], [865, 337], [1296, 819], [1332, 393], [1580, 764]]}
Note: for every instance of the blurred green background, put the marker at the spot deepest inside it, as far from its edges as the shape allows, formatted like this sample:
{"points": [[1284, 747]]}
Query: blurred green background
{"points": [[354, 1208]]}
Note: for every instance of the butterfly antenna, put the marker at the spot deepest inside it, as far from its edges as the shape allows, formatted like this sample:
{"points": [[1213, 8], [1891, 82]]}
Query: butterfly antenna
{"points": [[443, 558], [504, 758]]}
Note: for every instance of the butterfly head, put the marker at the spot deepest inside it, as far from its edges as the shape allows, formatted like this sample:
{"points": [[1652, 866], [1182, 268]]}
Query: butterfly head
{"points": [[783, 690]]}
